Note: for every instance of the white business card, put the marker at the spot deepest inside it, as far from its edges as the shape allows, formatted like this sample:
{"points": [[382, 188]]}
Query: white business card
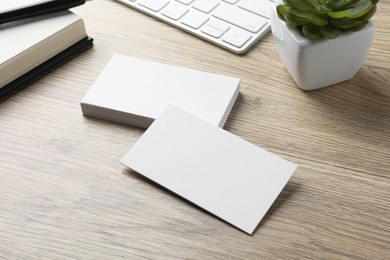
{"points": [[135, 91], [216, 170]]}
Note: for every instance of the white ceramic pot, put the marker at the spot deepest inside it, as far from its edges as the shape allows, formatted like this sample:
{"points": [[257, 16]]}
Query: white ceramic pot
{"points": [[323, 62]]}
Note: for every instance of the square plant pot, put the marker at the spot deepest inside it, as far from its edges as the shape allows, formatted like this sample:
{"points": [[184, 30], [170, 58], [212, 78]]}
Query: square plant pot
{"points": [[319, 63]]}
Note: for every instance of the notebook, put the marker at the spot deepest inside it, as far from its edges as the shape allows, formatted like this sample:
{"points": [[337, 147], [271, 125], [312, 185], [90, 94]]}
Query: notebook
{"points": [[11, 10], [27, 43], [46, 66], [216, 170], [135, 91]]}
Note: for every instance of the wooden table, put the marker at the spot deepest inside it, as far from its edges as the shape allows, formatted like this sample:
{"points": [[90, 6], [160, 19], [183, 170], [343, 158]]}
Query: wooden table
{"points": [[64, 194]]}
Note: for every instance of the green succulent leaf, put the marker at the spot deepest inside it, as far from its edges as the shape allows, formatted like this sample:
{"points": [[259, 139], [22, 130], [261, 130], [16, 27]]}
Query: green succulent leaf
{"points": [[350, 3], [299, 4], [301, 12], [294, 19], [329, 31], [360, 9], [340, 14], [324, 3], [309, 15], [311, 32], [374, 2], [368, 15], [345, 23], [317, 5], [317, 20], [282, 10], [357, 28], [336, 4]]}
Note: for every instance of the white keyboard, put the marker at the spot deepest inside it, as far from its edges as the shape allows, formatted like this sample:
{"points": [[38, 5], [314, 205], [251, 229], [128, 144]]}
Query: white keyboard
{"points": [[231, 24]]}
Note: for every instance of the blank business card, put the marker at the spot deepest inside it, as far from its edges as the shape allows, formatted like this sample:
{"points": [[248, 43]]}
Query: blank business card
{"points": [[135, 91], [216, 170]]}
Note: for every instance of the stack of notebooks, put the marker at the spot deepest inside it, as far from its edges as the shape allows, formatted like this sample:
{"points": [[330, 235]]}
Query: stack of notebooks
{"points": [[185, 148], [35, 36]]}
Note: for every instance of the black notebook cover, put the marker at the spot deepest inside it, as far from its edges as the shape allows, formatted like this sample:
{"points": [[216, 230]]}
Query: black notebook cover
{"points": [[49, 64], [45, 7]]}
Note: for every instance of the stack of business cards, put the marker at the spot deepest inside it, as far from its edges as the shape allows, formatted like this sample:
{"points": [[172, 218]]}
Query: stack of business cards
{"points": [[135, 91], [218, 171]]}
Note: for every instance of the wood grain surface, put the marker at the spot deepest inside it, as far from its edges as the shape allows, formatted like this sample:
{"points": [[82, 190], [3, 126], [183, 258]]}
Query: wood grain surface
{"points": [[64, 194]]}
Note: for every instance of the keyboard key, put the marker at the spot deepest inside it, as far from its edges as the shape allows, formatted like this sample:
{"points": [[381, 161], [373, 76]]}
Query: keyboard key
{"points": [[209, 30], [175, 10], [236, 37], [205, 6], [154, 5], [219, 25], [260, 7], [186, 2], [215, 28], [232, 1], [194, 19], [239, 17]]}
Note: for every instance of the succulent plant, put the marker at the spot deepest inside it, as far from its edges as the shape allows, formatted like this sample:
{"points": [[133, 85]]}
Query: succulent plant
{"points": [[326, 18]]}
